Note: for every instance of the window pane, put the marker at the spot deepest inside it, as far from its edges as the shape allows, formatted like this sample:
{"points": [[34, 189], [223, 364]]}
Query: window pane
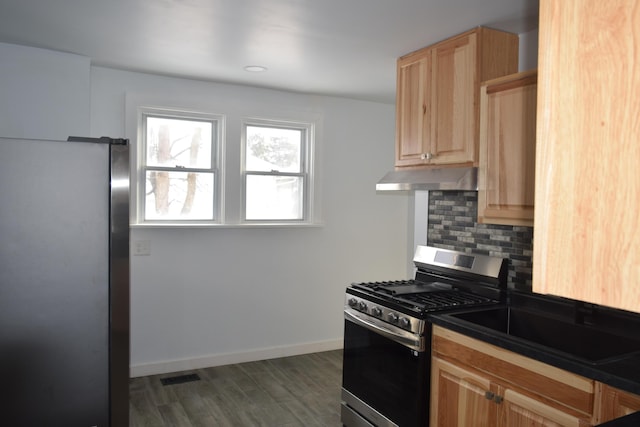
{"points": [[274, 197], [179, 195], [271, 149], [179, 142]]}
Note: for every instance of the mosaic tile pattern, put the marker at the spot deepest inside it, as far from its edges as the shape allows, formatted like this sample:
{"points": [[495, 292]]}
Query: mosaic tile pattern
{"points": [[453, 225]]}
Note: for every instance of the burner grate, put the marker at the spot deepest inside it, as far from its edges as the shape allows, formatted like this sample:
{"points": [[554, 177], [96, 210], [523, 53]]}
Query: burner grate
{"points": [[420, 297], [433, 301]]}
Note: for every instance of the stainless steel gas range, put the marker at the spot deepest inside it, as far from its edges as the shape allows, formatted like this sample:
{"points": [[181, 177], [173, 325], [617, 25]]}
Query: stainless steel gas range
{"points": [[387, 333]]}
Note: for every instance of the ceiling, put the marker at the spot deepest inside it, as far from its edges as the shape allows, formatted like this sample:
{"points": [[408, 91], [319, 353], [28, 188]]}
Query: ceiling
{"points": [[345, 48]]}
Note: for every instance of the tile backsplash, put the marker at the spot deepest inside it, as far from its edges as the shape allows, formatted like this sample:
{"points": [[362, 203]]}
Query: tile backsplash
{"points": [[452, 224]]}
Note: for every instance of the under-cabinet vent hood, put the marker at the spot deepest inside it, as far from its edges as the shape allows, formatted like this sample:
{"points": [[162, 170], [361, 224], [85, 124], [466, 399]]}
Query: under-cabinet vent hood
{"points": [[430, 179]]}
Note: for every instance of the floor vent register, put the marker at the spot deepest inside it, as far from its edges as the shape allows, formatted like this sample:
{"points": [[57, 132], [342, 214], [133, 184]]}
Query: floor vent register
{"points": [[179, 379]]}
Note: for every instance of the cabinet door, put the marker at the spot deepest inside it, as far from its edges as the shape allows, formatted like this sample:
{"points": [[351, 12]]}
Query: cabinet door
{"points": [[616, 403], [518, 410], [506, 178], [454, 101], [587, 233], [459, 397], [413, 109]]}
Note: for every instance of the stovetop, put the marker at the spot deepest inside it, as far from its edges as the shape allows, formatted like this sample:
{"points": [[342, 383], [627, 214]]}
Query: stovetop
{"points": [[444, 280], [419, 298]]}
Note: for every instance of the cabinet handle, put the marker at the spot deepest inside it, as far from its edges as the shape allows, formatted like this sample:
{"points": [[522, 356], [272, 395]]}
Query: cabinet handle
{"points": [[426, 156], [489, 395], [498, 399]]}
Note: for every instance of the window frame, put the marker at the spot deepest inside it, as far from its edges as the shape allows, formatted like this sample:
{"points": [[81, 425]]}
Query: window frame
{"points": [[216, 168], [306, 168]]}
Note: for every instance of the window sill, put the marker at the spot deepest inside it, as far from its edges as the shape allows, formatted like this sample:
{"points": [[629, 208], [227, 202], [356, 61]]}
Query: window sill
{"points": [[243, 225]]}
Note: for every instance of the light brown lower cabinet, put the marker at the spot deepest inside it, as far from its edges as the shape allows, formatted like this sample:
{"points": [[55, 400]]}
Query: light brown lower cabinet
{"points": [[459, 396], [465, 397], [614, 403], [477, 384]]}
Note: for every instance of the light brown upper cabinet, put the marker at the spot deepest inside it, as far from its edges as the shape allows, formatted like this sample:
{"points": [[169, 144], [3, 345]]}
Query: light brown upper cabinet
{"points": [[437, 94], [506, 174], [587, 221]]}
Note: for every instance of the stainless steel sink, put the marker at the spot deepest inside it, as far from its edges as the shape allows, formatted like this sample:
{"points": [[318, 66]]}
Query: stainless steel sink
{"points": [[585, 342]]}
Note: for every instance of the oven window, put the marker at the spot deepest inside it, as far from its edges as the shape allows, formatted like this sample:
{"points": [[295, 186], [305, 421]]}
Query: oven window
{"points": [[386, 375]]}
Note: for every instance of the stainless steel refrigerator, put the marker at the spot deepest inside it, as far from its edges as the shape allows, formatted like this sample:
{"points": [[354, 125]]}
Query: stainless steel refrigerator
{"points": [[64, 282]]}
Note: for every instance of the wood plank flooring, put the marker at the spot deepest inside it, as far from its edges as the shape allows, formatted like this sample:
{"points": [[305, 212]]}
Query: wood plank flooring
{"points": [[297, 391]]}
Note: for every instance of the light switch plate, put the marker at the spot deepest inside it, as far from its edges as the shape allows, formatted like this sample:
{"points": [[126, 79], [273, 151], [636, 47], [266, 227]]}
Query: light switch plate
{"points": [[142, 247]]}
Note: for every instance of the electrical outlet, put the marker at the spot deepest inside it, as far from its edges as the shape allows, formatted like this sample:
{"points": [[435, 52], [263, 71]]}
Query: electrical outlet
{"points": [[142, 247]]}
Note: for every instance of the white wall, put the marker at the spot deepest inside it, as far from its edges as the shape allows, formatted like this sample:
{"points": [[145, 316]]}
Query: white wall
{"points": [[528, 51], [214, 296], [43, 94]]}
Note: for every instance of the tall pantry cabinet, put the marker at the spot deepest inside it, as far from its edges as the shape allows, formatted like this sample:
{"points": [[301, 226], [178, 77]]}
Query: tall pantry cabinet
{"points": [[587, 221]]}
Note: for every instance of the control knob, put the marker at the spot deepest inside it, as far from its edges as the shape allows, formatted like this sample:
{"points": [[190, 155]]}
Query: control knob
{"points": [[405, 323], [362, 306], [393, 317], [377, 311], [352, 302]]}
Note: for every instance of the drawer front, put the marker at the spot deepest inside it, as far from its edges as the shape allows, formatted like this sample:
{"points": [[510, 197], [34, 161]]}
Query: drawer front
{"points": [[551, 383]]}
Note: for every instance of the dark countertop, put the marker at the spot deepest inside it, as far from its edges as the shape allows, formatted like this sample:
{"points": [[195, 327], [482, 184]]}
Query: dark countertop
{"points": [[621, 372]]}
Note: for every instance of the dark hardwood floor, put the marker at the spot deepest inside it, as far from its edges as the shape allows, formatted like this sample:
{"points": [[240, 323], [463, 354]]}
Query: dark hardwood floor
{"points": [[291, 391]]}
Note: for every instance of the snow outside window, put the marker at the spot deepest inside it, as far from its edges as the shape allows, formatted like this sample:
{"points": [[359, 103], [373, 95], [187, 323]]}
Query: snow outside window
{"points": [[276, 171], [179, 173]]}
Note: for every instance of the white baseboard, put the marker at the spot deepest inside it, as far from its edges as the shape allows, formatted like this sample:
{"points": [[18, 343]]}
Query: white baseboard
{"points": [[179, 365]]}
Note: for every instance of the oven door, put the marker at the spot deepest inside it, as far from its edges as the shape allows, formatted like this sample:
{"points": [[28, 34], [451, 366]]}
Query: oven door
{"points": [[385, 382]]}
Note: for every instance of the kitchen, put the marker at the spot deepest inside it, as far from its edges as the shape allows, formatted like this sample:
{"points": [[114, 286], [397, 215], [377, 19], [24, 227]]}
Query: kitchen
{"points": [[175, 321]]}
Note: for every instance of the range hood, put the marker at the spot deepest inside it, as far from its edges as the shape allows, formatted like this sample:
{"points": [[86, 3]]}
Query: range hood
{"points": [[430, 179]]}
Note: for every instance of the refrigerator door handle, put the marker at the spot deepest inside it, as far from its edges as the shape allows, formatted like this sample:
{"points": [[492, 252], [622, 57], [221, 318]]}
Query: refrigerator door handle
{"points": [[101, 140]]}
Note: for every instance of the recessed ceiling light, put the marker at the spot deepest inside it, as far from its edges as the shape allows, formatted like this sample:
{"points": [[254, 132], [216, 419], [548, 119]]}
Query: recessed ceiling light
{"points": [[255, 68]]}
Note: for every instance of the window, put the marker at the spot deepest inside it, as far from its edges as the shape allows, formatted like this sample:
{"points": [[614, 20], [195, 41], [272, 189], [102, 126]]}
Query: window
{"points": [[179, 176], [276, 171], [194, 168]]}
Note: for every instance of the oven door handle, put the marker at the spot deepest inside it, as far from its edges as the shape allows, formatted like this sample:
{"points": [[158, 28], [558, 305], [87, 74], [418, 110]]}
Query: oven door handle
{"points": [[407, 339]]}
